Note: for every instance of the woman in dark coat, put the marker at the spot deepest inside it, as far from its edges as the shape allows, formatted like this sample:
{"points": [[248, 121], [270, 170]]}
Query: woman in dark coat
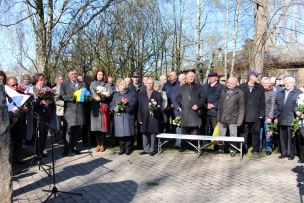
{"points": [[149, 120], [124, 116], [43, 108], [99, 109]]}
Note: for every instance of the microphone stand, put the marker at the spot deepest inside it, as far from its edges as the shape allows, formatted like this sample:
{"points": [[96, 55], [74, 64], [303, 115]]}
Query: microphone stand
{"points": [[54, 190]]}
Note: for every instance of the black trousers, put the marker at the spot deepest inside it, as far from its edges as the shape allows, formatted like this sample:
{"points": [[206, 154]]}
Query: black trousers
{"points": [[18, 132], [62, 128], [191, 131], [72, 137], [41, 130], [206, 128], [100, 138], [287, 142], [125, 143], [300, 144], [251, 133]]}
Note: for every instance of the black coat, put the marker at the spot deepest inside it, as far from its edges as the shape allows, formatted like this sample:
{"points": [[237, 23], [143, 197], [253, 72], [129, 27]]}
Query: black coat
{"points": [[285, 113], [149, 124], [191, 118], [254, 102]]}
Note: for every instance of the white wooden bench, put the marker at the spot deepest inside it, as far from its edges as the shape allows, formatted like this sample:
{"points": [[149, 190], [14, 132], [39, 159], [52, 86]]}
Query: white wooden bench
{"points": [[199, 138]]}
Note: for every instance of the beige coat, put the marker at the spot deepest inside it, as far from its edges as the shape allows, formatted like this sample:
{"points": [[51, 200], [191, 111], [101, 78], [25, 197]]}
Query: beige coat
{"points": [[59, 103]]}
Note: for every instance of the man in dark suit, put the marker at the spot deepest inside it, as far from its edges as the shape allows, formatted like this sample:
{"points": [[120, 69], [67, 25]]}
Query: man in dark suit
{"points": [[254, 111], [285, 112], [191, 98], [149, 119], [74, 111]]}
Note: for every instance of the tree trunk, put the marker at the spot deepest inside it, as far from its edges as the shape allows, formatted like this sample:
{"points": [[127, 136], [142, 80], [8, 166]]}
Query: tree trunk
{"points": [[198, 39], [5, 150], [236, 24], [260, 35], [226, 37]]}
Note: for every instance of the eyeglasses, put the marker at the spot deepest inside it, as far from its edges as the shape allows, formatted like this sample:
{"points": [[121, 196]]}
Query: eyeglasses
{"points": [[14, 85]]}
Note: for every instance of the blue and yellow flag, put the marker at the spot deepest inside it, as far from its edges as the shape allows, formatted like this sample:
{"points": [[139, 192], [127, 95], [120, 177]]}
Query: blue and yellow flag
{"points": [[82, 95]]}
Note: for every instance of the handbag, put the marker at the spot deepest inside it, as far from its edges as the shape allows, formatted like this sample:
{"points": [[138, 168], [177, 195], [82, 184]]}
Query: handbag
{"points": [[216, 132]]}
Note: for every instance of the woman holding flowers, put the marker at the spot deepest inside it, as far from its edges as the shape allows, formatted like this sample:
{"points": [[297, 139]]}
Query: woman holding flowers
{"points": [[300, 135], [101, 92], [123, 107], [150, 105], [42, 108]]}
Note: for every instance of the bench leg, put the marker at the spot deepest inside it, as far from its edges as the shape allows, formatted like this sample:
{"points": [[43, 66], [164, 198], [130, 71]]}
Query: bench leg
{"points": [[241, 151], [159, 146]]}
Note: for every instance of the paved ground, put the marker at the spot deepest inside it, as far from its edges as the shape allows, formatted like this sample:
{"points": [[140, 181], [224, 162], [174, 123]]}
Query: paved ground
{"points": [[169, 177]]}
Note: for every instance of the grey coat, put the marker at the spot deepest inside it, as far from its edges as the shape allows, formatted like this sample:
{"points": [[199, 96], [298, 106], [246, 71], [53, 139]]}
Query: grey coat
{"points": [[124, 123], [231, 109], [74, 112], [187, 96], [97, 124]]}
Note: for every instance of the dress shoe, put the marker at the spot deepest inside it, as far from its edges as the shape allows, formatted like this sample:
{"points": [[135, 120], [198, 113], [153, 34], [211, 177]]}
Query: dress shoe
{"points": [[65, 153], [152, 153], [182, 149], [143, 153], [128, 152], [121, 152], [300, 161], [102, 148], [232, 153], [19, 162], [282, 156], [291, 157], [75, 151], [97, 149], [268, 153], [218, 152]]}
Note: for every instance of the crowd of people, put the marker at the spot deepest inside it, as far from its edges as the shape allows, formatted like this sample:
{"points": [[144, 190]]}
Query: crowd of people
{"points": [[139, 108]]}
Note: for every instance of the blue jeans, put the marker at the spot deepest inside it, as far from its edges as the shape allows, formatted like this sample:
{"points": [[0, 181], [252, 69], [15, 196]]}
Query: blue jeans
{"points": [[263, 129]]}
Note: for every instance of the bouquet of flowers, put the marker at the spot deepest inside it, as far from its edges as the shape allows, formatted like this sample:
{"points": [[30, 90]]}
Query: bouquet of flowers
{"points": [[296, 122], [273, 128], [102, 92], [177, 121], [45, 94], [121, 106], [152, 106]]}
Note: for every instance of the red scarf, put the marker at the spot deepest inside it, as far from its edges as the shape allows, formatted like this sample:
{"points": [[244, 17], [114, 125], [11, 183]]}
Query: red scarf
{"points": [[104, 110]]}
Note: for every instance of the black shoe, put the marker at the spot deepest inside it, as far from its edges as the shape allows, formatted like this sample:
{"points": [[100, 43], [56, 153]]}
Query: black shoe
{"points": [[152, 153], [182, 149], [19, 162], [128, 152], [291, 157], [65, 153], [29, 142], [268, 153], [282, 156], [143, 153], [218, 152], [255, 154], [121, 152], [75, 151], [300, 161], [232, 153]]}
